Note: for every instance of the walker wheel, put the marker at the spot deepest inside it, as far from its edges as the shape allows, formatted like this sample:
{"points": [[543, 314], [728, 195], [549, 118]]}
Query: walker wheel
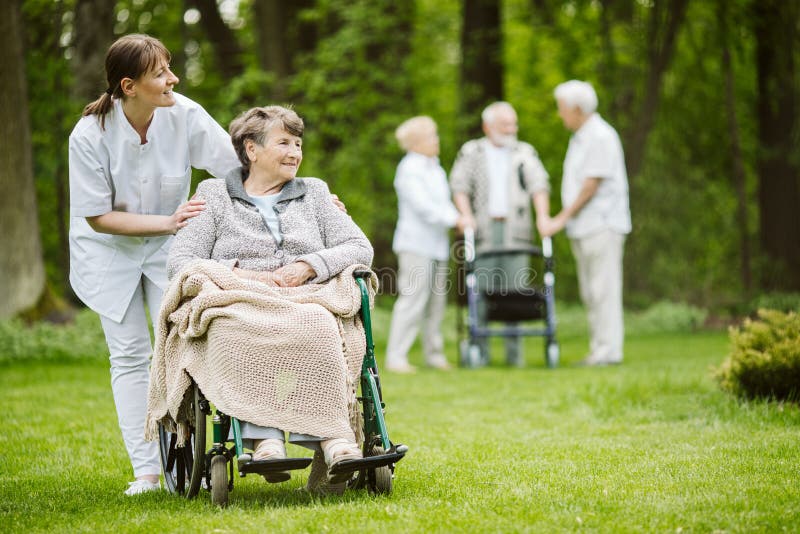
{"points": [[470, 354], [552, 354]]}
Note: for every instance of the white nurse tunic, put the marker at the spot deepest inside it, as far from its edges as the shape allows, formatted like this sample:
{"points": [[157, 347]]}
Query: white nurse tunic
{"points": [[109, 169]]}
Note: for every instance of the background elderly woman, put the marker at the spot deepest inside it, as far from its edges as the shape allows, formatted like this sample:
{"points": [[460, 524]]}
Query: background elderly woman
{"points": [[425, 213], [269, 226]]}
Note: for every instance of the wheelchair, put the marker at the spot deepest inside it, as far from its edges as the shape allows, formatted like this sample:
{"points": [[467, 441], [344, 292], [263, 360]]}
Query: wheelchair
{"points": [[534, 303], [192, 467]]}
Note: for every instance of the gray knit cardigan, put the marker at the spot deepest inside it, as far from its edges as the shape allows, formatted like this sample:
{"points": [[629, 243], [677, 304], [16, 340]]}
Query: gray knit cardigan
{"points": [[231, 230]]}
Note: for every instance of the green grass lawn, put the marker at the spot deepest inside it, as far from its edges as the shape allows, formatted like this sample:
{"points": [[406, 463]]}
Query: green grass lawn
{"points": [[650, 446]]}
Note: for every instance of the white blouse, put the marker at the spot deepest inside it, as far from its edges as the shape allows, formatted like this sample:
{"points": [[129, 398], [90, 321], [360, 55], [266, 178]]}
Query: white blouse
{"points": [[425, 211]]}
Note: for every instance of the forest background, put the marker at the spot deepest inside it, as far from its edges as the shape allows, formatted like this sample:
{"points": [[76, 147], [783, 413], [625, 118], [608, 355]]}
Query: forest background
{"points": [[704, 94]]}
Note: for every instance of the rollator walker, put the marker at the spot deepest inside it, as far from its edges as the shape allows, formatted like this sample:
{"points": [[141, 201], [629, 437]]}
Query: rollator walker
{"points": [[197, 465], [529, 303]]}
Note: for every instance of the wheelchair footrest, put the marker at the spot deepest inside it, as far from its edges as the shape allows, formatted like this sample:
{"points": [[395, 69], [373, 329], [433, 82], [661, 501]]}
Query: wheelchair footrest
{"points": [[370, 462], [270, 466]]}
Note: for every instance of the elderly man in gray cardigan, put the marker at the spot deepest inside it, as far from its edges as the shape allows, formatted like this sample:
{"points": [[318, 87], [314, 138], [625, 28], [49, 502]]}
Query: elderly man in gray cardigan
{"points": [[494, 179], [269, 226]]}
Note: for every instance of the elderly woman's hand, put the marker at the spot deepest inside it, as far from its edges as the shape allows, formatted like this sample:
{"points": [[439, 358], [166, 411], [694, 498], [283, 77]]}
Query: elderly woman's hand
{"points": [[293, 275], [265, 277]]}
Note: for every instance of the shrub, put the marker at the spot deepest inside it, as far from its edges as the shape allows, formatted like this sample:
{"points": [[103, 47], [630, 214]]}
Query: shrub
{"points": [[777, 301], [765, 359], [666, 316], [78, 340]]}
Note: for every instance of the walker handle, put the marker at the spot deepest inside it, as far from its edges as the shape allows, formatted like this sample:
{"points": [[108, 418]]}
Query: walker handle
{"points": [[469, 244]]}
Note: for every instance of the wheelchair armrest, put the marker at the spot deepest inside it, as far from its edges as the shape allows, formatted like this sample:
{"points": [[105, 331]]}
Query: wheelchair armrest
{"points": [[361, 274]]}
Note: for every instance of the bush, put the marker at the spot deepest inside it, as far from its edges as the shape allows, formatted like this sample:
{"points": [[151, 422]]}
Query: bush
{"points": [[777, 301], [78, 340], [765, 361], [666, 316]]}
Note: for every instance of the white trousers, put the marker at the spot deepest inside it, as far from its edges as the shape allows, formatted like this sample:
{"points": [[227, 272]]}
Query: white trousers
{"points": [[599, 261], [421, 301], [130, 349]]}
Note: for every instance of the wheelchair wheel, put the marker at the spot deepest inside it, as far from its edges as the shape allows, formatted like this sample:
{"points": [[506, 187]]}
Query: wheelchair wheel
{"points": [[379, 480], [219, 480], [183, 466]]}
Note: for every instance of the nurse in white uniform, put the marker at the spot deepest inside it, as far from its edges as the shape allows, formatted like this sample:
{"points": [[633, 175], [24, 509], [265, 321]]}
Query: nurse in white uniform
{"points": [[130, 162]]}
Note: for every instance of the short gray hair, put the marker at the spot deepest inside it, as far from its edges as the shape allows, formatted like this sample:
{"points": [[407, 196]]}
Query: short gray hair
{"points": [[576, 93], [255, 123], [490, 113]]}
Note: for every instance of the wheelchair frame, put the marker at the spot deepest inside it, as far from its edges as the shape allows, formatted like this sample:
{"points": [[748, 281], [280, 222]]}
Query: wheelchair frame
{"points": [[186, 469], [469, 352]]}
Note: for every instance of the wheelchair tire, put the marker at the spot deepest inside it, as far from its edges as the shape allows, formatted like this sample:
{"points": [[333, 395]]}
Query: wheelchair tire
{"points": [[219, 480], [379, 480], [180, 463]]}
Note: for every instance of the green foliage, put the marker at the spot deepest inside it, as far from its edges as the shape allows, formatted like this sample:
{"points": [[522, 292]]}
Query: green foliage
{"points": [[666, 316], [355, 92], [81, 339], [784, 302], [372, 64], [53, 113], [765, 359]]}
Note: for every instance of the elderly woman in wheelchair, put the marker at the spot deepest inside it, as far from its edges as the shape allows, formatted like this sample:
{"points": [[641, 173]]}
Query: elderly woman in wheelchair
{"points": [[264, 319]]}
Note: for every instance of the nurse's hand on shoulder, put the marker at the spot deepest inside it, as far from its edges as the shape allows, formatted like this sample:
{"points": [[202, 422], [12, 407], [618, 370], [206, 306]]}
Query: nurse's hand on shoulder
{"points": [[186, 211], [338, 203]]}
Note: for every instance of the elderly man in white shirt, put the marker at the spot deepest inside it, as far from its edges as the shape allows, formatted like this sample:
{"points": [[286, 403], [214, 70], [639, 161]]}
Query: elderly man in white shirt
{"points": [[594, 194], [425, 214]]}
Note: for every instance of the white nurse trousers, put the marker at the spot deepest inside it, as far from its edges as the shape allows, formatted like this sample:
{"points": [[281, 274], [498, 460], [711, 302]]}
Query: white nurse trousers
{"points": [[130, 349]]}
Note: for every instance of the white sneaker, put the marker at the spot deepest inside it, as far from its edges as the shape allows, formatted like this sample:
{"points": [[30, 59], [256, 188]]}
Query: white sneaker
{"points": [[142, 486]]}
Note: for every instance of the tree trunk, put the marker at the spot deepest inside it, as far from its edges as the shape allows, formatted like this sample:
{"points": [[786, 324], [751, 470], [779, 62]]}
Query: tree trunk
{"points": [[281, 35], [481, 61], [666, 18], [775, 27], [739, 176], [22, 278], [227, 52], [94, 23]]}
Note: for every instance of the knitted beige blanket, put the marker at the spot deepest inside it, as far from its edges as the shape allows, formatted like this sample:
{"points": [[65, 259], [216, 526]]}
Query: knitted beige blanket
{"points": [[287, 358]]}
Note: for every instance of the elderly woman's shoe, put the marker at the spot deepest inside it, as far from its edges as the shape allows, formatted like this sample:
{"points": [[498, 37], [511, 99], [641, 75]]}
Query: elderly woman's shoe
{"points": [[271, 449], [336, 451]]}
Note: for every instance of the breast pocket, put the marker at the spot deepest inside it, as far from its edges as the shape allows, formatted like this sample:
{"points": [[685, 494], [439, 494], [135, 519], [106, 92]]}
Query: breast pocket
{"points": [[174, 190]]}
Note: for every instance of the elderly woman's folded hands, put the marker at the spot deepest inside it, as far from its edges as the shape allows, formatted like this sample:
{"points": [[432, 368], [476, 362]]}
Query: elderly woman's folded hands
{"points": [[291, 275]]}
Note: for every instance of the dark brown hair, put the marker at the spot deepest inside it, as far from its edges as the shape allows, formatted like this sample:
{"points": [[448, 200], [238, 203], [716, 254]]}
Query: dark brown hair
{"points": [[129, 57], [255, 124]]}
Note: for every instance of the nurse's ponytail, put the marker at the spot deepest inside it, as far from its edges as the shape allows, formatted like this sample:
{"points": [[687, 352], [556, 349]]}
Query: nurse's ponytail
{"points": [[129, 57]]}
